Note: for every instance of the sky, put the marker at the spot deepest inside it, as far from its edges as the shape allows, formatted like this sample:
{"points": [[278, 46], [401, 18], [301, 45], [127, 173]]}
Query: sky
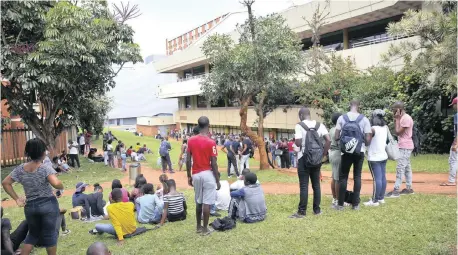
{"points": [[135, 91]]}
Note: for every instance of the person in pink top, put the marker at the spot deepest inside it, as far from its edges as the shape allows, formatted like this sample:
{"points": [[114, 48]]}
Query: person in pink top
{"points": [[116, 184], [404, 130]]}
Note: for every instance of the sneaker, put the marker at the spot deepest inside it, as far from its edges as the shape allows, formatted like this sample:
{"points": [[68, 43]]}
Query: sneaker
{"points": [[338, 207], [371, 203], [297, 216], [318, 213], [355, 207], [215, 214], [229, 176], [65, 232], [347, 204], [381, 201], [334, 201], [171, 171], [392, 194], [407, 192]]}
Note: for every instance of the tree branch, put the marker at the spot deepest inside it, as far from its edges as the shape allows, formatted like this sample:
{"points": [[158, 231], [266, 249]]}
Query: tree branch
{"points": [[119, 70], [18, 36], [3, 37]]}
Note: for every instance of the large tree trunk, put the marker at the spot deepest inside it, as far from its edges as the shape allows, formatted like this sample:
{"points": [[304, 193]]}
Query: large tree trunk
{"points": [[46, 135], [253, 136]]}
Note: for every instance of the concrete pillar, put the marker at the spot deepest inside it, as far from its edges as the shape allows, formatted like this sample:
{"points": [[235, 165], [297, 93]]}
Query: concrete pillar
{"points": [[346, 43], [207, 68], [180, 74]]}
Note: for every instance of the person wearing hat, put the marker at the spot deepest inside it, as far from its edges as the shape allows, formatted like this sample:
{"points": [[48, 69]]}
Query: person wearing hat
{"points": [[81, 199], [248, 204], [453, 158]]}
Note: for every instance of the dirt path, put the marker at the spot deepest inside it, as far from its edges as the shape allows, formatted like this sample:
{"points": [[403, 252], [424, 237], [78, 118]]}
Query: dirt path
{"points": [[422, 183]]}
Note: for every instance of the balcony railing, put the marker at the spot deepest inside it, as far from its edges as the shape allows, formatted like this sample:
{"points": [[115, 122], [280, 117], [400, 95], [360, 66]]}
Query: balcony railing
{"points": [[192, 77], [356, 43]]}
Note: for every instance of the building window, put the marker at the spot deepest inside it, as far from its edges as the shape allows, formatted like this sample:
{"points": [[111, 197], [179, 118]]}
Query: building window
{"points": [[201, 102], [219, 103], [187, 102]]}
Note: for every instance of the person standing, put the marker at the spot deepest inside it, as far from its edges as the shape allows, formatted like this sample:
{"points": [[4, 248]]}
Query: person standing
{"points": [[165, 155], [285, 156], [453, 158], [245, 152], [41, 207], [87, 140], [377, 157], [292, 159], [354, 132], [182, 157], [335, 156], [231, 161], [204, 178], [73, 153], [404, 130], [236, 147], [308, 135], [82, 143]]}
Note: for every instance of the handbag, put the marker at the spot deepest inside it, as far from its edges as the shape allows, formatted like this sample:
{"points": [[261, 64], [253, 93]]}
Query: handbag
{"points": [[392, 148], [278, 152]]}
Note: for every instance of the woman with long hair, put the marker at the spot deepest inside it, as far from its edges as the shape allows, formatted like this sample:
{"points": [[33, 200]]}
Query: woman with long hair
{"points": [[140, 180], [41, 208], [377, 157], [116, 184]]}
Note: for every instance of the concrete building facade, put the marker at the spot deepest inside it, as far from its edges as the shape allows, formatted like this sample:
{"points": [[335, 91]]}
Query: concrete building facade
{"points": [[354, 29]]}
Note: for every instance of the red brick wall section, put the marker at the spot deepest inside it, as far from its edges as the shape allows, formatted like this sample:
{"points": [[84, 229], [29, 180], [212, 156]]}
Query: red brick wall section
{"points": [[152, 130]]}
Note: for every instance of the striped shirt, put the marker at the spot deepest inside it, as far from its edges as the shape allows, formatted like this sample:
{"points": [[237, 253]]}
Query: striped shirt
{"points": [[35, 183], [175, 203]]}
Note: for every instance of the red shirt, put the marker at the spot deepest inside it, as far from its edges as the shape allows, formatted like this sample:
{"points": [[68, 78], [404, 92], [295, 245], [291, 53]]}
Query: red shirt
{"points": [[202, 149], [290, 146]]}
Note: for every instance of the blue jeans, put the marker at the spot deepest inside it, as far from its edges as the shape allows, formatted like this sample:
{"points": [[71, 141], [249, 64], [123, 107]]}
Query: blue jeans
{"points": [[124, 158], [41, 215], [157, 213], [213, 209], [292, 158], [378, 171], [105, 228]]}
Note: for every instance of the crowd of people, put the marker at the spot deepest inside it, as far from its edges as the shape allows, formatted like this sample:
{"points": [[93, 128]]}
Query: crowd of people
{"points": [[352, 137]]}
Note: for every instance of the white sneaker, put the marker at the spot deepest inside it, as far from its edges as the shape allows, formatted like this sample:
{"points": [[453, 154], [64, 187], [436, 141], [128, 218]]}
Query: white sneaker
{"points": [[334, 201], [371, 203], [347, 204], [382, 201]]}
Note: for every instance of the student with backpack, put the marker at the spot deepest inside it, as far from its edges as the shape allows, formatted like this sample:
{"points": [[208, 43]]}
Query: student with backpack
{"points": [[354, 132], [404, 130], [308, 134]]}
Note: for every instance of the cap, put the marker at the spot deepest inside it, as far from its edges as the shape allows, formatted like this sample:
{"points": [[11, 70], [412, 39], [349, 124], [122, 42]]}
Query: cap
{"points": [[80, 186], [454, 101], [251, 178]]}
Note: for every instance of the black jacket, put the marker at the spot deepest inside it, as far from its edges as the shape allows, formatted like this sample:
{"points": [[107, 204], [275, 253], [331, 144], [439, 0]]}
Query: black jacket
{"points": [[96, 203]]}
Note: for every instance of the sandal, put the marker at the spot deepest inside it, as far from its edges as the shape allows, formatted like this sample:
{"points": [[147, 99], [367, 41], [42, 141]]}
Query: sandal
{"points": [[448, 184], [209, 231]]}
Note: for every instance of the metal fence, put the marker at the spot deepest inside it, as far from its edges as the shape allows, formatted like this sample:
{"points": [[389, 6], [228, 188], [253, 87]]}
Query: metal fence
{"points": [[13, 144]]}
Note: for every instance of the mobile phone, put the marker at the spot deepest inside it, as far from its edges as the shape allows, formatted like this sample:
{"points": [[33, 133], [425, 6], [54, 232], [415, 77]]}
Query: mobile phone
{"points": [[58, 193]]}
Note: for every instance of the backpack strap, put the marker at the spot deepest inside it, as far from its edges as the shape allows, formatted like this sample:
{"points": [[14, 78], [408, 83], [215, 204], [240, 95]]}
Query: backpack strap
{"points": [[345, 116], [359, 119], [317, 126], [302, 124]]}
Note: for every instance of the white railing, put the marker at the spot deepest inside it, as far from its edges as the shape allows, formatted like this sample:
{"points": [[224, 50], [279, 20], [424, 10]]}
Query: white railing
{"points": [[192, 77], [375, 41]]}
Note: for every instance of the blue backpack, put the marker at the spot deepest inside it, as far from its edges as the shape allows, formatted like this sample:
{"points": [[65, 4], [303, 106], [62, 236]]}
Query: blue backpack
{"points": [[351, 136]]}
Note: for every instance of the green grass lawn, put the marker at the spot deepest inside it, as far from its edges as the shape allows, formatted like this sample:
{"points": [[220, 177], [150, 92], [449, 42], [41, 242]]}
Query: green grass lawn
{"points": [[424, 163], [417, 224], [129, 139]]}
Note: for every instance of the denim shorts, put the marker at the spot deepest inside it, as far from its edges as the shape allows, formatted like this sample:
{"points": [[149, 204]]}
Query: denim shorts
{"points": [[41, 215]]}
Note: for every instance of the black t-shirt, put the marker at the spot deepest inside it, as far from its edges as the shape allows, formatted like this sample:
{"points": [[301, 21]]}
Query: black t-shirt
{"points": [[6, 225], [249, 146], [236, 147]]}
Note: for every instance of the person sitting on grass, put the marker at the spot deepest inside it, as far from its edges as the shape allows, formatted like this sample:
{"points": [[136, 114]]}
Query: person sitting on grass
{"points": [[223, 195], [116, 184], [98, 248], [248, 204], [149, 206], [240, 183], [140, 180], [162, 188], [81, 199], [96, 201], [11, 241], [174, 204], [122, 218], [55, 165]]}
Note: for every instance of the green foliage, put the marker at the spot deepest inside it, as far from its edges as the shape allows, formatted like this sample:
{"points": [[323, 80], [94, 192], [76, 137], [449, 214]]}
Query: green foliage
{"points": [[93, 115], [249, 68], [55, 54], [437, 32]]}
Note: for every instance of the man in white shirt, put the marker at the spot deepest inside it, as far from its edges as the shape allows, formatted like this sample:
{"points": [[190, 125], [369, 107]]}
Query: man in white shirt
{"points": [[82, 143], [73, 153], [306, 167]]}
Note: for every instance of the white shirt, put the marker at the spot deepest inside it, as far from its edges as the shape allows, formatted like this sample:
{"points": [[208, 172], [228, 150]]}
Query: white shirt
{"points": [[73, 150], [376, 150], [82, 141], [223, 196], [300, 132]]}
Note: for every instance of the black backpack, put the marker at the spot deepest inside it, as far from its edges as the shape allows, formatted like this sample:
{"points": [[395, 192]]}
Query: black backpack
{"points": [[351, 136], [416, 138], [313, 150], [223, 224]]}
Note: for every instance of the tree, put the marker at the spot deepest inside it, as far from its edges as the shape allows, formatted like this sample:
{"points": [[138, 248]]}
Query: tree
{"points": [[54, 54], [268, 53], [436, 47], [92, 116]]}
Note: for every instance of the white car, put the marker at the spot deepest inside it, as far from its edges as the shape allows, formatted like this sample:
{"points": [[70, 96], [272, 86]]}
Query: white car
{"points": [[132, 130]]}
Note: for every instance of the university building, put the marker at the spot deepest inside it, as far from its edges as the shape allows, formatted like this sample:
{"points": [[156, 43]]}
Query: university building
{"points": [[355, 29]]}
